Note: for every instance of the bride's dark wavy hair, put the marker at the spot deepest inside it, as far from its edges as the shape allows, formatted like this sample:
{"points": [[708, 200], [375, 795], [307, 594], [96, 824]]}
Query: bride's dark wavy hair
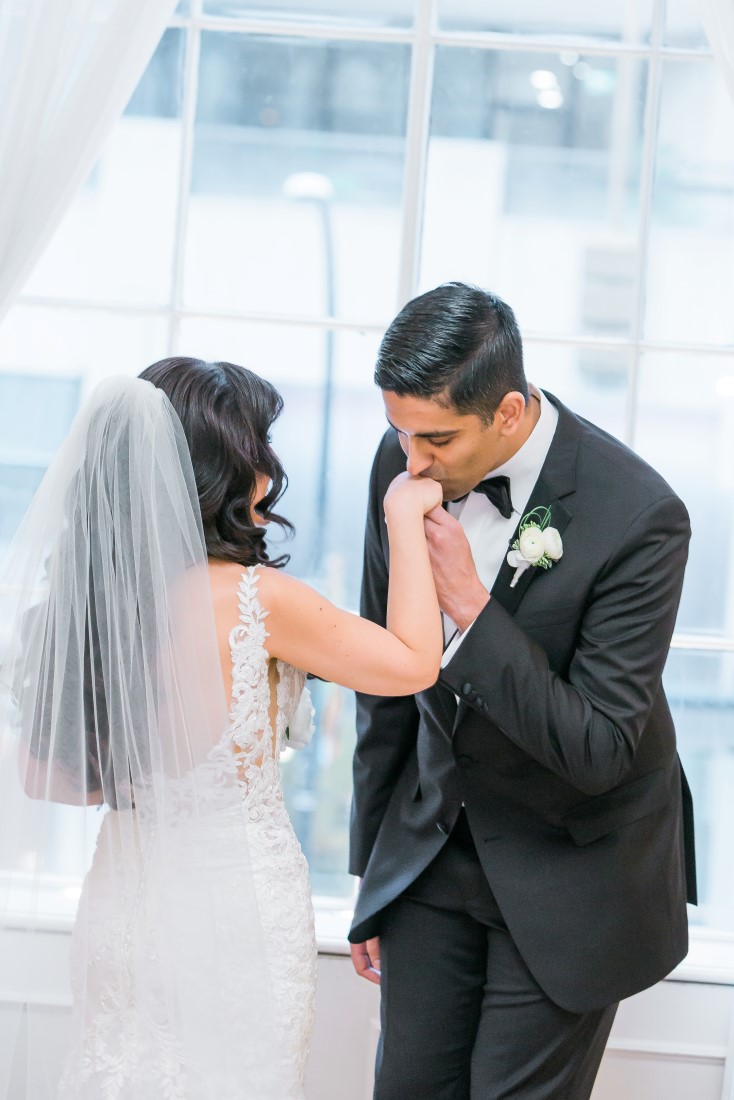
{"points": [[227, 412]]}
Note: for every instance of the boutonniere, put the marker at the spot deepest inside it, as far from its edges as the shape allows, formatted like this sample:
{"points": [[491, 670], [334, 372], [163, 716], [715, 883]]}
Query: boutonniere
{"points": [[538, 544]]}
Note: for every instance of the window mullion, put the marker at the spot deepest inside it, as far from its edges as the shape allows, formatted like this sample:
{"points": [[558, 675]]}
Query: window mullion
{"points": [[188, 120], [647, 184], [416, 151]]}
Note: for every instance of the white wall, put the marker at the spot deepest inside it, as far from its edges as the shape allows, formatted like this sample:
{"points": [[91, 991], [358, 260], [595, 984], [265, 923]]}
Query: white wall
{"points": [[668, 1043]]}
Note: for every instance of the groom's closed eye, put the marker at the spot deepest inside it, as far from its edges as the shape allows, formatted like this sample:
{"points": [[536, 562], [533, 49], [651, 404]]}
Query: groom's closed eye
{"points": [[442, 442]]}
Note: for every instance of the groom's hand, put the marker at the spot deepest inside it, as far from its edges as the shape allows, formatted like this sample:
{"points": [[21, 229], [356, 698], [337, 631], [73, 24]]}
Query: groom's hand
{"points": [[366, 959], [461, 594]]}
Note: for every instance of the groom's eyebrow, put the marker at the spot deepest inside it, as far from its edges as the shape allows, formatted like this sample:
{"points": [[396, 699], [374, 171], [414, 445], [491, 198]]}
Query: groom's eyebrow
{"points": [[424, 435]]}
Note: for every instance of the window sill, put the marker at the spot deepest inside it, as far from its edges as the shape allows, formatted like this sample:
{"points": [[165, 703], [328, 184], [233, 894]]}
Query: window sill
{"points": [[710, 959]]}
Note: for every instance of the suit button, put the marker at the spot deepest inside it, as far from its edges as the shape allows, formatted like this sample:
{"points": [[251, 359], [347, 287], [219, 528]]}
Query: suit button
{"points": [[466, 689], [443, 828]]}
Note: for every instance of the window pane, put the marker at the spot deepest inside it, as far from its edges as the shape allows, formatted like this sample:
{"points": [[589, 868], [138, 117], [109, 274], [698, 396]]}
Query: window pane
{"points": [[383, 13], [685, 429], [683, 27], [48, 357], [52, 872], [325, 502], [78, 343], [35, 415], [18, 483], [297, 176], [318, 789], [327, 499], [116, 241], [327, 505], [533, 184], [592, 382], [700, 689], [625, 20], [690, 284]]}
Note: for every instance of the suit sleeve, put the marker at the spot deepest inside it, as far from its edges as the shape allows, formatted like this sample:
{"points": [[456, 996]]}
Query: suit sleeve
{"points": [[386, 727], [586, 727]]}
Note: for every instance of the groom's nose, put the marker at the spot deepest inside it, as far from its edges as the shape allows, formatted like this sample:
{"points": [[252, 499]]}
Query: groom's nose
{"points": [[419, 457]]}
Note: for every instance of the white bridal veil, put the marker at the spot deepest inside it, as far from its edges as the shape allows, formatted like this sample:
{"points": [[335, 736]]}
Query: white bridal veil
{"points": [[115, 765]]}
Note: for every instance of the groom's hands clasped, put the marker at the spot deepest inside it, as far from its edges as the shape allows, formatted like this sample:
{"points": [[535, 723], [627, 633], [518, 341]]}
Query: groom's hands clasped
{"points": [[461, 594]]}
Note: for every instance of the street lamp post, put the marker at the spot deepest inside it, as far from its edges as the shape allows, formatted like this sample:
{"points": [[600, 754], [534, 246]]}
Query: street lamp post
{"points": [[318, 189]]}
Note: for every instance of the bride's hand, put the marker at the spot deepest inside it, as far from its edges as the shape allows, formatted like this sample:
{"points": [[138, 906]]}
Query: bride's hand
{"points": [[406, 491]]}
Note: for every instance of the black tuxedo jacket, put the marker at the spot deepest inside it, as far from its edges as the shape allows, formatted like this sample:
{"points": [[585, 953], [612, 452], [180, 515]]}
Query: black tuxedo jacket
{"points": [[561, 746]]}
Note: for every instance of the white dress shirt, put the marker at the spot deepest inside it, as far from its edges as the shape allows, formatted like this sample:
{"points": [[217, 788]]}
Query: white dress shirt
{"points": [[487, 531]]}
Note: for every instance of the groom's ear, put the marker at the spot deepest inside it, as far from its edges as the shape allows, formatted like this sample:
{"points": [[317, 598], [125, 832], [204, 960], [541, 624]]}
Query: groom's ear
{"points": [[510, 412]]}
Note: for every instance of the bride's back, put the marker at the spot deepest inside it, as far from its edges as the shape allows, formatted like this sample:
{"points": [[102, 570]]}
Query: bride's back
{"points": [[226, 583]]}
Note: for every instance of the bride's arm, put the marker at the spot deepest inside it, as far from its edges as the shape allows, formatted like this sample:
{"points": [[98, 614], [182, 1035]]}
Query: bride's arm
{"points": [[308, 631]]}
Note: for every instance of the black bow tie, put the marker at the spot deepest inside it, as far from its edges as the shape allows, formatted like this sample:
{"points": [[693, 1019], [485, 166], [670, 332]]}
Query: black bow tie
{"points": [[497, 492]]}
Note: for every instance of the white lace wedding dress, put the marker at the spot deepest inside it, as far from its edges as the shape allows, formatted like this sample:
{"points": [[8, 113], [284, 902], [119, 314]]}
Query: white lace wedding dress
{"points": [[129, 1044]]}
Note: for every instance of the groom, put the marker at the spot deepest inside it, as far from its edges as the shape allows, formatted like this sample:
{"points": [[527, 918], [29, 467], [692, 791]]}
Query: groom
{"points": [[523, 829]]}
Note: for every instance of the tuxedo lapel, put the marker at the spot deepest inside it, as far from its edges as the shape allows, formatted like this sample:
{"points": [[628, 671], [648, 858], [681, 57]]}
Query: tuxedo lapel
{"points": [[556, 482]]}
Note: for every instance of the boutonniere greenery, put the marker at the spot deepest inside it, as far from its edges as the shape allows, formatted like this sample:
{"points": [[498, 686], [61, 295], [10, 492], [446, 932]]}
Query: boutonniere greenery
{"points": [[537, 544]]}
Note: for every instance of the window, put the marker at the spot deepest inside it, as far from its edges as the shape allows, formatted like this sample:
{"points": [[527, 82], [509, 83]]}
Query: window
{"points": [[288, 173], [35, 415]]}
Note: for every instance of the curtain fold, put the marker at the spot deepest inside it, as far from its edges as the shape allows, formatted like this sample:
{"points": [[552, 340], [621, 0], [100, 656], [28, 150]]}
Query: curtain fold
{"points": [[67, 71], [717, 17]]}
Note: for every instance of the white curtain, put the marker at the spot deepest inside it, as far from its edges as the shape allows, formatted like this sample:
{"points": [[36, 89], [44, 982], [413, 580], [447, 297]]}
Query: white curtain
{"points": [[717, 17], [67, 70]]}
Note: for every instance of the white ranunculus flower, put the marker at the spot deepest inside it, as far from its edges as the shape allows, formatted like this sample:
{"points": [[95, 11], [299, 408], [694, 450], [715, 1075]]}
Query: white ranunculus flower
{"points": [[552, 544], [531, 544], [514, 558]]}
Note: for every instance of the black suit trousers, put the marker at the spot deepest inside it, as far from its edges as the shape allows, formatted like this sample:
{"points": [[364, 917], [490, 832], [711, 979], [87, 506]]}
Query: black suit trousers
{"points": [[462, 1016]]}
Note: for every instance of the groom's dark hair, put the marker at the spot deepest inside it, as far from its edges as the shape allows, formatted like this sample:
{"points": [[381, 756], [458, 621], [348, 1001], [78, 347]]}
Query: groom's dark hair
{"points": [[458, 345]]}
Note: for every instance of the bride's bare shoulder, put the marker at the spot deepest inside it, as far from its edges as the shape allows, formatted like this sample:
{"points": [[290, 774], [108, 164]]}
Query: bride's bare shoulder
{"points": [[275, 589], [278, 590], [224, 579]]}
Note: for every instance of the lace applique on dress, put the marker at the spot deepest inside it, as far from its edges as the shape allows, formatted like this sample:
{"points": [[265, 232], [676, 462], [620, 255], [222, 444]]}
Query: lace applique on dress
{"points": [[280, 868], [251, 735]]}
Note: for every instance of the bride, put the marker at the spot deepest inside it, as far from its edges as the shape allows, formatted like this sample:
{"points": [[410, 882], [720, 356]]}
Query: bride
{"points": [[153, 666]]}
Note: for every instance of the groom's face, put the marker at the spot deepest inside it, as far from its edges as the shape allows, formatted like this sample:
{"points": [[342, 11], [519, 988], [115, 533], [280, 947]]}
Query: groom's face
{"points": [[454, 448]]}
